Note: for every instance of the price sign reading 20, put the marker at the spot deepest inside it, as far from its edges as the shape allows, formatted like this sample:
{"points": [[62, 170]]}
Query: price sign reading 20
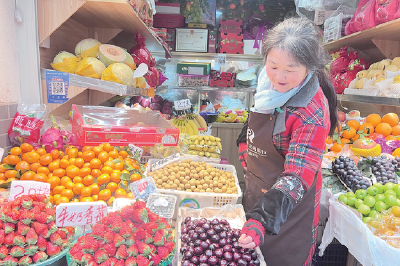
{"points": [[20, 188]]}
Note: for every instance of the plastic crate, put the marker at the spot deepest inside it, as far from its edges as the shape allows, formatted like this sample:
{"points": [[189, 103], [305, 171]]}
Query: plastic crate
{"points": [[201, 200], [334, 255]]}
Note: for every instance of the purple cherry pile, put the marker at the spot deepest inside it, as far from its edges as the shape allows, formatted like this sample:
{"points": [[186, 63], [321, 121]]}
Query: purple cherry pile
{"points": [[213, 242]]}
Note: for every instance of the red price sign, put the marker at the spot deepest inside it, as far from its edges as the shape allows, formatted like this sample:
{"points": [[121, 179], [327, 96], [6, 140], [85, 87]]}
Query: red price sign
{"points": [[142, 186], [20, 188], [80, 213]]}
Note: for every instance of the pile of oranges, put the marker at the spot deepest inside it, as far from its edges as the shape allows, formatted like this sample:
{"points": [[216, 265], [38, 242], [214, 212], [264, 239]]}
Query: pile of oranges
{"points": [[374, 127], [100, 173]]}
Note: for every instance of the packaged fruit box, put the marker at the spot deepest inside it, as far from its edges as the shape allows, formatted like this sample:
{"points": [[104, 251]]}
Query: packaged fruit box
{"points": [[94, 125], [215, 234]]}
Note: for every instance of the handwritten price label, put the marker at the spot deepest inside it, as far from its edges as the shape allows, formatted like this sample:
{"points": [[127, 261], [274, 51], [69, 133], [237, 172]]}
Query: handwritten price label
{"points": [[80, 213], [221, 59], [182, 104], [136, 151], [161, 163], [20, 188], [143, 188]]}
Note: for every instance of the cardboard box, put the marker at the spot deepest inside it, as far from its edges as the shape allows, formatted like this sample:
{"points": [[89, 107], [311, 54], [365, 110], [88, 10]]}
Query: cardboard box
{"points": [[169, 21], [168, 8], [230, 26], [189, 68], [231, 43], [248, 47], [191, 40], [197, 15], [212, 41]]}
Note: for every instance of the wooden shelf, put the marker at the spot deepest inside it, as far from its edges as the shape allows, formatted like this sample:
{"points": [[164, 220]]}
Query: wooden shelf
{"points": [[210, 56], [369, 99], [380, 41]]}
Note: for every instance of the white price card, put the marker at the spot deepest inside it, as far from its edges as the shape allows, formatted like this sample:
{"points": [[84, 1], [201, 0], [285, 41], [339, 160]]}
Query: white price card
{"points": [[80, 213], [221, 59], [182, 104], [136, 151], [19, 188], [161, 163]]}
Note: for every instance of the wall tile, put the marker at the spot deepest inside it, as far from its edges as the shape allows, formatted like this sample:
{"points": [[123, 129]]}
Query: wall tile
{"points": [[4, 112], [12, 109], [5, 125]]}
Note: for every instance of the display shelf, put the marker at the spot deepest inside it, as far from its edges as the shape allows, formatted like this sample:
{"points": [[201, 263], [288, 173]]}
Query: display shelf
{"points": [[208, 88], [369, 99], [210, 56]]}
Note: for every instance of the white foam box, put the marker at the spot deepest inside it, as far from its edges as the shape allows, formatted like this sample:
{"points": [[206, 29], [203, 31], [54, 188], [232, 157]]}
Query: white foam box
{"points": [[248, 47]]}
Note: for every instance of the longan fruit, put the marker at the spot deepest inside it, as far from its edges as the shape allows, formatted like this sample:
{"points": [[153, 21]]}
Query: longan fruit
{"points": [[202, 191], [182, 186], [164, 179], [174, 186], [159, 182], [196, 190], [209, 190], [176, 181], [205, 186], [199, 186]]}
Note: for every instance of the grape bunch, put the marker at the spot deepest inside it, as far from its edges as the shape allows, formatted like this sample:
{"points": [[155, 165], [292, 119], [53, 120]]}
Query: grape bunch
{"points": [[213, 242], [196, 12], [385, 169], [346, 169]]}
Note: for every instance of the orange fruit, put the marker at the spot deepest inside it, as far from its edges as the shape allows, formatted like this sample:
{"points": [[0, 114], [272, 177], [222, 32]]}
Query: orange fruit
{"points": [[107, 147], [23, 166], [95, 163], [345, 141], [55, 154], [336, 147], [10, 173], [53, 166], [41, 151], [349, 133], [56, 197], [115, 177], [59, 172], [79, 162], [43, 170], [32, 157], [366, 126], [68, 193], [77, 179], [95, 189], [84, 172], [88, 156], [396, 130], [103, 157], [391, 137], [53, 181], [384, 129], [16, 151], [97, 150], [12, 159], [356, 137], [88, 180], [329, 140], [86, 148], [373, 119], [96, 173], [72, 171], [80, 154], [72, 161], [69, 185], [35, 166], [86, 199], [119, 166], [107, 170], [26, 147], [86, 165], [64, 163], [40, 177], [103, 179], [391, 118], [65, 180], [58, 189], [62, 200], [114, 154], [354, 124], [95, 197], [2, 169], [23, 156], [123, 153], [135, 177], [72, 152], [28, 175], [45, 159], [104, 194], [110, 164], [86, 192], [112, 186], [78, 188], [120, 193]]}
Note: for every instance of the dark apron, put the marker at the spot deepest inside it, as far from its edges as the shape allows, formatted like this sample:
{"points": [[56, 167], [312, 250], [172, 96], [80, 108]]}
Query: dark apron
{"points": [[292, 245]]}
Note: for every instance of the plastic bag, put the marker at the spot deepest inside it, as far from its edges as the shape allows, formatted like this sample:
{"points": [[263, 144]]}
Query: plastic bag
{"points": [[341, 81], [27, 123], [385, 10], [140, 53], [341, 63], [364, 18]]}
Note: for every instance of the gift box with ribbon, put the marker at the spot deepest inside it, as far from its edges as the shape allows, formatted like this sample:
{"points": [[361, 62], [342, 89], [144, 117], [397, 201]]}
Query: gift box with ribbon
{"points": [[231, 43]]}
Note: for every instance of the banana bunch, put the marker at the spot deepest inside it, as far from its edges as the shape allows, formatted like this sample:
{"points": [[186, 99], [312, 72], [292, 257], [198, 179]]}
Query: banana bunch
{"points": [[192, 124], [199, 121], [208, 146]]}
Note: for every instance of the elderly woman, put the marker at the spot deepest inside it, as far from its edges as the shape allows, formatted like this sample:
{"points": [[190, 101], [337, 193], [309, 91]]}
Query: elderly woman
{"points": [[294, 112]]}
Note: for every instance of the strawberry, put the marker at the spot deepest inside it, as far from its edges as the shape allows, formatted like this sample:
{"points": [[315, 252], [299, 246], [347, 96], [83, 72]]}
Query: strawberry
{"points": [[31, 250], [98, 230], [42, 243], [159, 237], [26, 217], [163, 252], [39, 205], [109, 262], [41, 217], [153, 248], [86, 258], [92, 263], [121, 252], [140, 216], [126, 212], [52, 249], [131, 261], [50, 211], [27, 203], [142, 261], [120, 262], [52, 227], [40, 197], [19, 241], [56, 239], [22, 228], [13, 216], [9, 239], [9, 261], [139, 204], [2, 236], [17, 252], [9, 227], [71, 230], [131, 225], [62, 232], [90, 244], [133, 251], [125, 230], [155, 259], [75, 249], [118, 240], [111, 249], [101, 256], [31, 237], [139, 234], [1, 224], [25, 261], [130, 241], [148, 238], [39, 257], [117, 224], [40, 228], [149, 227], [109, 237], [153, 217], [3, 252], [143, 248], [77, 256], [170, 245]]}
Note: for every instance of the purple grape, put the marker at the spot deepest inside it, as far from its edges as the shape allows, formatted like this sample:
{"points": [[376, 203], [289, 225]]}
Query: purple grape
{"points": [[195, 260], [190, 224], [185, 263], [204, 245], [246, 257], [183, 250], [201, 222], [257, 262], [198, 251], [194, 236], [236, 245], [215, 222], [203, 264], [214, 238], [187, 219], [236, 233], [217, 228], [208, 253], [191, 264], [185, 238], [224, 222], [232, 263], [199, 230], [229, 241], [241, 262], [253, 255], [234, 240], [226, 228], [211, 232], [184, 229], [235, 250], [195, 221], [212, 260], [219, 253], [229, 234], [228, 256], [214, 246], [222, 234], [244, 250], [203, 259], [197, 243], [203, 236], [223, 242], [184, 244], [208, 241], [228, 248], [237, 256], [191, 244], [206, 226], [191, 232], [188, 255], [191, 249]]}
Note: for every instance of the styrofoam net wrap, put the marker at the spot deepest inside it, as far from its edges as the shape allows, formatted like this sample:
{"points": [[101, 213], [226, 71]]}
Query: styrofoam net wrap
{"points": [[384, 85], [369, 92], [391, 74], [393, 91]]}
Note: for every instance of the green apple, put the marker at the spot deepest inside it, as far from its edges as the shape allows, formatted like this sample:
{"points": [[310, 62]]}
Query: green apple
{"points": [[379, 186], [398, 202], [380, 206], [369, 201], [343, 198], [388, 186], [351, 201], [389, 192], [390, 200], [361, 194], [397, 189], [350, 195], [367, 219], [364, 209], [358, 202], [372, 191], [380, 197], [372, 213]]}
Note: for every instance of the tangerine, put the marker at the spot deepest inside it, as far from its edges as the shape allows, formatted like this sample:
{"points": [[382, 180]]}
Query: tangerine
{"points": [[88, 180], [110, 201], [72, 152], [384, 129], [113, 154], [119, 166], [64, 163], [35, 166], [65, 180], [373, 119], [84, 171], [107, 170], [16, 151], [86, 148], [86, 192], [43, 170], [96, 173], [129, 195], [336, 147], [78, 188], [69, 185], [26, 147], [88, 156], [110, 164], [68, 193], [95, 188], [391, 118], [115, 177], [59, 172], [349, 133], [53, 181], [10, 173], [62, 200], [28, 175], [77, 180], [97, 150], [120, 193], [123, 154], [45, 159], [40, 177], [3, 169], [12, 159], [112, 186], [354, 124], [95, 163], [103, 157], [329, 140], [136, 177], [364, 128], [56, 197], [53, 166], [41, 151], [391, 137], [32, 157], [95, 197], [103, 179], [396, 130], [79, 162], [23, 166], [55, 154], [86, 199], [105, 194], [72, 171], [107, 147]]}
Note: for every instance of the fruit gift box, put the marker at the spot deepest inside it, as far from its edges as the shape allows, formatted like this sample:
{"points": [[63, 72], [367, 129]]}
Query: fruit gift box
{"points": [[209, 236]]}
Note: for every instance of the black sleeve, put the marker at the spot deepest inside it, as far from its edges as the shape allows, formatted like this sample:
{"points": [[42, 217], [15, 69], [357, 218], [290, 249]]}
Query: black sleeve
{"points": [[272, 210], [243, 135]]}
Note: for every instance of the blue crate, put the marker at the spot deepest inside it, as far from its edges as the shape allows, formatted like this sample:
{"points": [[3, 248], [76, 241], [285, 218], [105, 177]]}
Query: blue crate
{"points": [[334, 255]]}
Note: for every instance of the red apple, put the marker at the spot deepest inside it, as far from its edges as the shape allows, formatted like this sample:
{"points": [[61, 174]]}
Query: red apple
{"points": [[342, 116], [365, 144]]}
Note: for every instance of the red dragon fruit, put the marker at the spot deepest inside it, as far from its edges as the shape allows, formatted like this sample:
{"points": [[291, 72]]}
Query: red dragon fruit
{"points": [[70, 139], [52, 138]]}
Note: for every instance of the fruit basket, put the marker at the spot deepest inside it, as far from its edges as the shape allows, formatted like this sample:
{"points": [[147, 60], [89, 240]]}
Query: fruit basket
{"points": [[198, 200], [232, 215]]}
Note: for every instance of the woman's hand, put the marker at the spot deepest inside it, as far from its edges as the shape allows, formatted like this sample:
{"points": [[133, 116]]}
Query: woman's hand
{"points": [[246, 241], [252, 234]]}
